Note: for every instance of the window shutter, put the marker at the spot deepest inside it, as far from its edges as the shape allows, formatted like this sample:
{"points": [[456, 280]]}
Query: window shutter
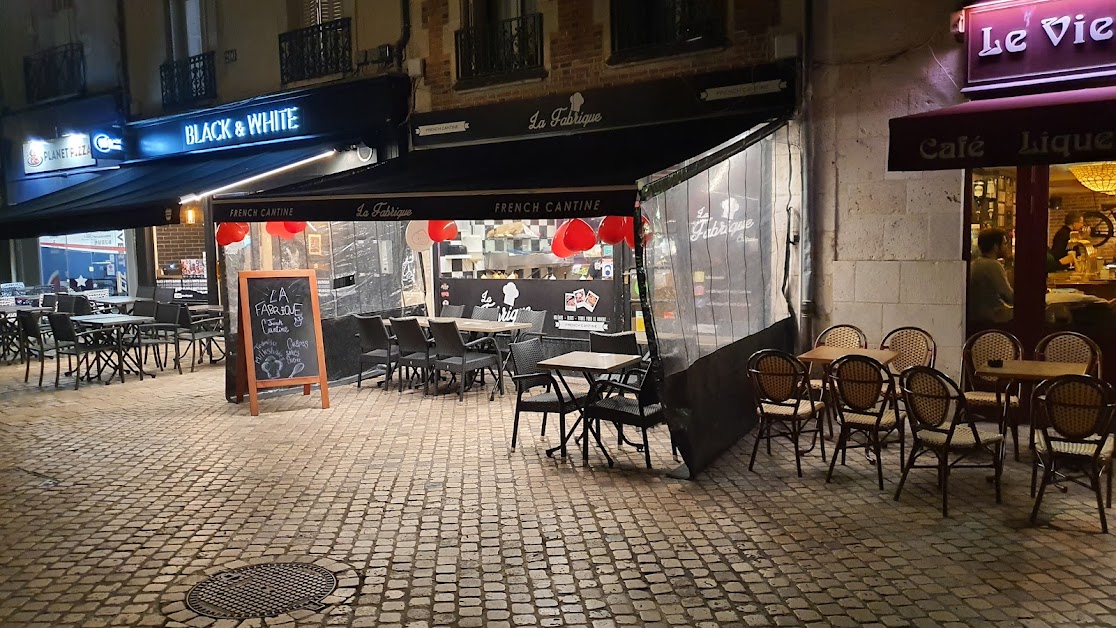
{"points": [[321, 11]]}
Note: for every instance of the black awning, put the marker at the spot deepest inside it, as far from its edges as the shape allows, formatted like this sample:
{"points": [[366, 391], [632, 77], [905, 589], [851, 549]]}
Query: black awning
{"points": [[582, 175], [135, 196], [1037, 129]]}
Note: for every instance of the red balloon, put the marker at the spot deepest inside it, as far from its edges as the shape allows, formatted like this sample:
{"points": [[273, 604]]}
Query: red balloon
{"points": [[276, 229], [614, 228], [556, 245], [579, 236], [225, 234], [442, 230], [241, 229], [295, 226], [629, 237]]}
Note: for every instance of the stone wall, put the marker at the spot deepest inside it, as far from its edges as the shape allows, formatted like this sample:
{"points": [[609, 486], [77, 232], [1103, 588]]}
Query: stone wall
{"points": [[889, 243], [576, 50]]}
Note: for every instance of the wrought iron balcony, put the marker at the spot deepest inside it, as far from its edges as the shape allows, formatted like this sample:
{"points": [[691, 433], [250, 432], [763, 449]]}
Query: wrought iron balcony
{"points": [[316, 51], [508, 50], [188, 82], [644, 29], [54, 73]]}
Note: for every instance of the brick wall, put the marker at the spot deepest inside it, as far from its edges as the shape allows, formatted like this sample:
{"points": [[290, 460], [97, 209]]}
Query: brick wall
{"points": [[1084, 202], [576, 51], [179, 242]]}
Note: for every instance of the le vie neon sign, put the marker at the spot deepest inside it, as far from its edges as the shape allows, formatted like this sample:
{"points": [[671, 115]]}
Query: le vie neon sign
{"points": [[255, 126], [1017, 43]]}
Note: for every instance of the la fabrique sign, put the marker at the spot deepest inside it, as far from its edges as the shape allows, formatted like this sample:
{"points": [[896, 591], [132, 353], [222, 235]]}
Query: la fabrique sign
{"points": [[1019, 43]]}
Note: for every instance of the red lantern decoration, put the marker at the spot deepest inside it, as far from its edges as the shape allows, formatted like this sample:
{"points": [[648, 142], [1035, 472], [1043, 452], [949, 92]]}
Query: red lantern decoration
{"points": [[556, 245], [578, 236], [442, 230], [295, 226], [614, 228], [629, 237]]}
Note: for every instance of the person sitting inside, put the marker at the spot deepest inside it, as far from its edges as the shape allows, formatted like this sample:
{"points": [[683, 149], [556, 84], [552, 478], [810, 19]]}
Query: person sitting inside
{"points": [[1058, 265], [1060, 244], [990, 295]]}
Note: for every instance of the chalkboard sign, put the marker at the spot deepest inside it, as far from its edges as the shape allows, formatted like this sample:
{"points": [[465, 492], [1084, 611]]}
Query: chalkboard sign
{"points": [[280, 331]]}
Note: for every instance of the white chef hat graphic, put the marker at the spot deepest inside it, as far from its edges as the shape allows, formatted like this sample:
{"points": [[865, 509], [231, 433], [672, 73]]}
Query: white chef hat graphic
{"points": [[576, 101]]}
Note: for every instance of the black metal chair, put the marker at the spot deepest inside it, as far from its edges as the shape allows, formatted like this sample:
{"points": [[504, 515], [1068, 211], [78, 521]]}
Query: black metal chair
{"points": [[485, 313], [461, 358], [642, 410], [414, 350], [33, 343], [162, 334], [164, 295], [81, 345], [200, 333], [146, 292], [452, 311], [623, 343], [863, 393], [376, 347], [82, 306], [49, 300], [941, 424], [525, 358], [1074, 433], [65, 303]]}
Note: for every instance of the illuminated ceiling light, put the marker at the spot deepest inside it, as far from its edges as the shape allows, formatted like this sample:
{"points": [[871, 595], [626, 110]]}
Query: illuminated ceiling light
{"points": [[190, 198], [1098, 176]]}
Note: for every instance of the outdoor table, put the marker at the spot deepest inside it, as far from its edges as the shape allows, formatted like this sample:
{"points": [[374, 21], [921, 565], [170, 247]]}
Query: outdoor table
{"points": [[205, 307], [119, 323], [1027, 373], [824, 355], [117, 301], [591, 365], [8, 310]]}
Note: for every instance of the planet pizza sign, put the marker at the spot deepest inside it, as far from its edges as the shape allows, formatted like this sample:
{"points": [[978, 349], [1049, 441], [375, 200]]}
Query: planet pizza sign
{"points": [[70, 151]]}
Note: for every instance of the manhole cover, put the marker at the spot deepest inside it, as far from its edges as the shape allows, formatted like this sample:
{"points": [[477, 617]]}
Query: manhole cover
{"points": [[266, 590]]}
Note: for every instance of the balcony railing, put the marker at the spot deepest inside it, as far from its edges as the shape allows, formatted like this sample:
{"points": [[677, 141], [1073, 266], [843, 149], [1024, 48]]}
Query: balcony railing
{"points": [[54, 73], [643, 29], [316, 51], [499, 52], [188, 82]]}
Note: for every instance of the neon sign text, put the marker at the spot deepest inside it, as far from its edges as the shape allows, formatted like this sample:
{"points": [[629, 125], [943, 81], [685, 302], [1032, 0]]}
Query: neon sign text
{"points": [[250, 126]]}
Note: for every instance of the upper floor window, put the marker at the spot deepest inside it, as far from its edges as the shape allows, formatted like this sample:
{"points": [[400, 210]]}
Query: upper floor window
{"points": [[323, 47], [500, 41], [189, 76], [54, 73], [644, 29]]}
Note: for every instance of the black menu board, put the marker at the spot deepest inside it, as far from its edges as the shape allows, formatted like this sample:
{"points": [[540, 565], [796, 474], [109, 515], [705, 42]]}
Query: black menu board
{"points": [[280, 330]]}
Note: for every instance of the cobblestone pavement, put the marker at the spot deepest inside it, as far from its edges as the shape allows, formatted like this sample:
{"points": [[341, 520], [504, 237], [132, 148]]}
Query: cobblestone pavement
{"points": [[115, 499]]}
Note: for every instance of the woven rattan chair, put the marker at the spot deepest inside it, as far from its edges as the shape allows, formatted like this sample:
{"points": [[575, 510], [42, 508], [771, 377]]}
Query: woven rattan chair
{"points": [[784, 406], [1074, 434], [845, 336], [376, 347], [452, 311], [941, 425], [414, 350], [992, 399], [863, 394], [463, 358], [1068, 346], [914, 345], [525, 358]]}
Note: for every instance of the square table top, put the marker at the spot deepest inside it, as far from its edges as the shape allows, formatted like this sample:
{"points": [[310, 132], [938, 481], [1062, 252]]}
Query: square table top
{"points": [[1033, 370], [107, 320], [590, 362], [471, 324], [205, 307], [825, 355], [122, 299], [12, 309]]}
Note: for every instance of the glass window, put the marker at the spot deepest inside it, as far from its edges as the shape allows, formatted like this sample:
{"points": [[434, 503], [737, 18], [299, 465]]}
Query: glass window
{"points": [[991, 293]]}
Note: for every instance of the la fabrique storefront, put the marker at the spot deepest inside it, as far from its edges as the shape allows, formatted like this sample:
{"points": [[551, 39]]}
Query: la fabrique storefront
{"points": [[1038, 147]]}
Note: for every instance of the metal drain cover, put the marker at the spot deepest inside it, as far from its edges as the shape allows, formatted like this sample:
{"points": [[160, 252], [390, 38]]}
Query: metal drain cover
{"points": [[266, 590]]}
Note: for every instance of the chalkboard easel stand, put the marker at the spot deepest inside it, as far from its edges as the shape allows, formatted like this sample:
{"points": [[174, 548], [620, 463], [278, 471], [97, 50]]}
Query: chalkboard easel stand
{"points": [[246, 376]]}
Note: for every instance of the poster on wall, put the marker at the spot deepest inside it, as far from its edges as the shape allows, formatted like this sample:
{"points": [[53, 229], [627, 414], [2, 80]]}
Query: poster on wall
{"points": [[574, 308], [84, 261]]}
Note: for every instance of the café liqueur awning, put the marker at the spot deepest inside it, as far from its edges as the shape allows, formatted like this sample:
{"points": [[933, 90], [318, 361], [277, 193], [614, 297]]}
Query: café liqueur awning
{"points": [[1054, 128], [582, 175]]}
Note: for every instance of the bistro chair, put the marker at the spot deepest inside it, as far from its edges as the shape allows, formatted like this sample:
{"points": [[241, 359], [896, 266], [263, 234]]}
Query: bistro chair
{"points": [[485, 313], [1074, 434], [844, 336], [623, 343], [414, 350], [82, 306], [163, 333], [33, 343], [462, 358], [784, 405], [863, 394], [48, 300], [65, 303], [1069, 346], [525, 358], [164, 295], [914, 345], [86, 346], [452, 311], [146, 292], [990, 398], [940, 424], [642, 409], [201, 333], [376, 347]]}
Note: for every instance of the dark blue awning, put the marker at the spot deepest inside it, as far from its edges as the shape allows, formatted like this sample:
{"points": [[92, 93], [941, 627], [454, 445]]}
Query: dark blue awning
{"points": [[141, 195]]}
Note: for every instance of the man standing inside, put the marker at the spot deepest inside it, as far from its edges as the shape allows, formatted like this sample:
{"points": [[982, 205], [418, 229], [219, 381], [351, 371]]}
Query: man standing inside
{"points": [[1059, 246], [990, 295]]}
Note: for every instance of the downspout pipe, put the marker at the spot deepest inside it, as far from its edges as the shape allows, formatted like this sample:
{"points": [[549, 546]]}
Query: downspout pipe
{"points": [[807, 284], [404, 35]]}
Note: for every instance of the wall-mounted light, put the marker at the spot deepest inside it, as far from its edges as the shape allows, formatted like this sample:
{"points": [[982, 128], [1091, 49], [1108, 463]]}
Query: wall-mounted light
{"points": [[190, 215]]}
